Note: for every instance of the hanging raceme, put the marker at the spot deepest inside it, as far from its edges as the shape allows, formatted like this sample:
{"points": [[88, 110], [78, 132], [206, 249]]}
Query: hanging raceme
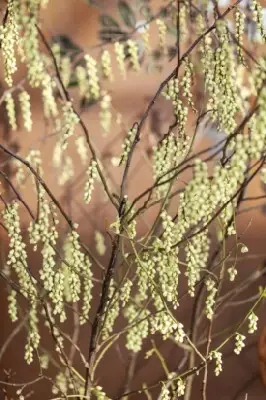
{"points": [[58, 148], [65, 127], [183, 28], [253, 323], [93, 80], [35, 160], [120, 56], [112, 311], [165, 393], [44, 361], [223, 102], [125, 292], [129, 224], [197, 252], [49, 102], [106, 64], [162, 29], [12, 306], [145, 35], [240, 27], [263, 175], [78, 275], [89, 186], [87, 286], [105, 111], [24, 99], [57, 54], [167, 155], [67, 170], [61, 384], [181, 387], [257, 142], [11, 111], [186, 81], [17, 256], [99, 393], [70, 271], [217, 356], [195, 204], [33, 338], [200, 26], [146, 273], [39, 231], [100, 243], [42, 232], [166, 260], [127, 144], [172, 93], [69, 122], [9, 34], [82, 80], [140, 329], [133, 51], [211, 297], [258, 17], [82, 149], [207, 61], [65, 70], [58, 295], [239, 343], [20, 175], [164, 323], [17, 260], [31, 53]]}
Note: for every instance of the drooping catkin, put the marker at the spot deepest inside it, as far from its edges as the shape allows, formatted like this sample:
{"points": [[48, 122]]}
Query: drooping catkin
{"points": [[11, 111], [120, 56], [24, 99]]}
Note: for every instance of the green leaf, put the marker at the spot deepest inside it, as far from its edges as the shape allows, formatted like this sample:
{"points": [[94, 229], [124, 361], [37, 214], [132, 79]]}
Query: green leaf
{"points": [[171, 29], [146, 12], [127, 14], [73, 83], [66, 44], [108, 22], [95, 3], [108, 35]]}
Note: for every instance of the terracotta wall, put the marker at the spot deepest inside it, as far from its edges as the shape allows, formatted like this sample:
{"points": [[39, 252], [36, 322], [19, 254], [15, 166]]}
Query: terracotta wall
{"points": [[80, 21]]}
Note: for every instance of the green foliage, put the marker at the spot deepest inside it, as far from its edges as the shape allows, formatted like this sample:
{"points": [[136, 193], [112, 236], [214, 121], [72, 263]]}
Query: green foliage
{"points": [[127, 14]]}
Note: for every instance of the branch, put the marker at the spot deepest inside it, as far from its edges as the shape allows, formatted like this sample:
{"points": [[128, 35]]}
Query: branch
{"points": [[41, 181], [67, 98]]}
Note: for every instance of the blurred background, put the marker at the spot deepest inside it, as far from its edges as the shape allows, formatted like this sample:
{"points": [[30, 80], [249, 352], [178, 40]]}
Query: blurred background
{"points": [[80, 21]]}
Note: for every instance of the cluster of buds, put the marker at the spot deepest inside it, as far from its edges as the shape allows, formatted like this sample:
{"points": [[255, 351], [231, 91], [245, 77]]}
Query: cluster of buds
{"points": [[89, 186], [240, 27], [127, 144], [24, 99], [258, 17], [120, 57], [162, 28], [133, 51], [11, 111], [93, 80], [105, 112], [106, 64]]}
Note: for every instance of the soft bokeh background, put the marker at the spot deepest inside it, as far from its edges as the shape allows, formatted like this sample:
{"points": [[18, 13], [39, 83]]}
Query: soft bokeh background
{"points": [[80, 21]]}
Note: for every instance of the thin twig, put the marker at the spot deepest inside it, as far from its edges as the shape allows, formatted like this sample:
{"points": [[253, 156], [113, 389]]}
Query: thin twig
{"points": [[81, 122]]}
